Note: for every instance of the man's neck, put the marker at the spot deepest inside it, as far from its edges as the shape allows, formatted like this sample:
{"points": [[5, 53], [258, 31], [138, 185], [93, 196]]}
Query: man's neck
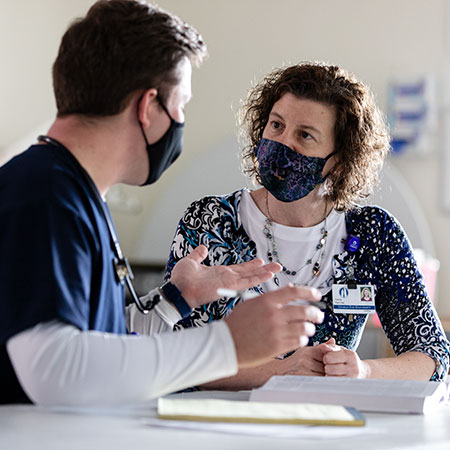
{"points": [[97, 145]]}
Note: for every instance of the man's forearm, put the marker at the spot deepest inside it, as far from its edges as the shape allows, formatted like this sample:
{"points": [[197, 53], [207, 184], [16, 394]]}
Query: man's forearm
{"points": [[58, 364]]}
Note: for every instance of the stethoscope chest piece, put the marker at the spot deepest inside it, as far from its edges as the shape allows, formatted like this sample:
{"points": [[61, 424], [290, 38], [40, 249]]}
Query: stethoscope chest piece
{"points": [[122, 269]]}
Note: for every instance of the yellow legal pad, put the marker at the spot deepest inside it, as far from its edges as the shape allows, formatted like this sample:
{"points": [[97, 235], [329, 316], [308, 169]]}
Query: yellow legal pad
{"points": [[211, 410]]}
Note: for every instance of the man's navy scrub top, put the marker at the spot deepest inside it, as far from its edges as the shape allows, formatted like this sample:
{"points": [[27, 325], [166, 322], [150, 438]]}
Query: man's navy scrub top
{"points": [[55, 248]]}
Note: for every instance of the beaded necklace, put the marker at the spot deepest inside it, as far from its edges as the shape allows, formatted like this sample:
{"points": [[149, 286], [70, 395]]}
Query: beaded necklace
{"points": [[272, 250]]}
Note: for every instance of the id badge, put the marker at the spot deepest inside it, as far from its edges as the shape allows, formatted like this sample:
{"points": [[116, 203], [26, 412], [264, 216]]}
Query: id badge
{"points": [[358, 299]]}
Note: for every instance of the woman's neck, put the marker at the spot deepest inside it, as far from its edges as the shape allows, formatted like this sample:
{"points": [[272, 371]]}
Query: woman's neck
{"points": [[306, 212]]}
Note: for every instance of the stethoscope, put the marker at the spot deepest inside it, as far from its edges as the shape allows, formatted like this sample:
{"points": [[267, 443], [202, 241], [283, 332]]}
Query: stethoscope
{"points": [[121, 265]]}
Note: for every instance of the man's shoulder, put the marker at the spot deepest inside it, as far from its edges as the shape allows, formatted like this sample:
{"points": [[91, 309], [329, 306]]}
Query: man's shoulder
{"points": [[39, 174], [37, 157]]}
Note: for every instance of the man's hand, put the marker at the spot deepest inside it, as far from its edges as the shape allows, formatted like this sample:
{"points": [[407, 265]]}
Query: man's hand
{"points": [[266, 326], [341, 362], [199, 283]]}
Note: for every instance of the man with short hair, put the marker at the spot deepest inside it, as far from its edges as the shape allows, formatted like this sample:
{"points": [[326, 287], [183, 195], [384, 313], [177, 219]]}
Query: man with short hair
{"points": [[121, 80]]}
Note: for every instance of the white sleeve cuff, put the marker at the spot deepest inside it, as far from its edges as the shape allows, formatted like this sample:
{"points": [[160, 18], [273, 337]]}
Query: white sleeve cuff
{"points": [[160, 319]]}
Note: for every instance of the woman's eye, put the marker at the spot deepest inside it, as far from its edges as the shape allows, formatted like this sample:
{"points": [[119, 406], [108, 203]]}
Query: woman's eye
{"points": [[305, 135], [275, 125]]}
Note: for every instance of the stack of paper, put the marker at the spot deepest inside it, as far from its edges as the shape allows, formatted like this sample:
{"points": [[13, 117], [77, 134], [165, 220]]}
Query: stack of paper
{"points": [[395, 396], [213, 410]]}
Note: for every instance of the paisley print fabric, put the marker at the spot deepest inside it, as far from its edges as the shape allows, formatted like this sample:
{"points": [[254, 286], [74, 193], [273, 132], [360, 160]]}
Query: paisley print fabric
{"points": [[384, 259], [286, 174]]}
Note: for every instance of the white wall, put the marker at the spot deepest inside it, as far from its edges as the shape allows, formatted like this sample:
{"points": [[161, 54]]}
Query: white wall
{"points": [[246, 39], [30, 31]]}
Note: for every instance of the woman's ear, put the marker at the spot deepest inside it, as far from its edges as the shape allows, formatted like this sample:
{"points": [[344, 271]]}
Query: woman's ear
{"points": [[146, 106], [336, 165]]}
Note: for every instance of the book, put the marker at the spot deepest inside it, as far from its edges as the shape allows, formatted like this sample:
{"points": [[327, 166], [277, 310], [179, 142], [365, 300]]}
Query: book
{"points": [[367, 395], [215, 410]]}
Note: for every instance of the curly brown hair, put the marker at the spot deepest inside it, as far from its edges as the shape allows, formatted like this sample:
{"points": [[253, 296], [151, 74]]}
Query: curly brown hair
{"points": [[361, 131]]}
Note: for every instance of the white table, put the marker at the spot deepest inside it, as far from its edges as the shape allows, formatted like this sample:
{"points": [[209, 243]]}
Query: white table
{"points": [[26, 427]]}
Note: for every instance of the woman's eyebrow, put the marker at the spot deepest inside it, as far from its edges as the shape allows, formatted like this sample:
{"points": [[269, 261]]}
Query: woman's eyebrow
{"points": [[301, 125], [310, 128], [274, 113]]}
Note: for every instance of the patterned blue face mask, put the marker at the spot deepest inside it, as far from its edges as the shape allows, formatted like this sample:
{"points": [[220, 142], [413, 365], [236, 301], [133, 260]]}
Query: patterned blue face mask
{"points": [[286, 174]]}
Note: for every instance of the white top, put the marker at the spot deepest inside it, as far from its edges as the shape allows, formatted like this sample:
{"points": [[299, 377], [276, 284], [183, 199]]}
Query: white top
{"points": [[58, 364], [295, 245]]}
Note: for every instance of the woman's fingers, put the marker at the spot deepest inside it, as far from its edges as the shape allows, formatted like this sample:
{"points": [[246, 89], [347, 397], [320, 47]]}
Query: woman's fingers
{"points": [[336, 370], [250, 273], [255, 264], [198, 254]]}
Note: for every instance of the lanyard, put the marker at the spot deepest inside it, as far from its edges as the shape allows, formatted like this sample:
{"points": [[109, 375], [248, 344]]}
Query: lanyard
{"points": [[121, 265]]}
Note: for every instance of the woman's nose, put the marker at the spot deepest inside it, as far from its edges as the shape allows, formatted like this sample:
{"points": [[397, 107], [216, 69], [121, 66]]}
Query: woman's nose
{"points": [[288, 140]]}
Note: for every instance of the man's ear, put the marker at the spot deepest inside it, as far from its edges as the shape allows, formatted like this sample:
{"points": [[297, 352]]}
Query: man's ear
{"points": [[147, 106]]}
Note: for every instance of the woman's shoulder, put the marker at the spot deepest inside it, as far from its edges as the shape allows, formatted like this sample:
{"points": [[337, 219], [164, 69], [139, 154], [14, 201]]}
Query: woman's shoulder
{"points": [[224, 199], [216, 205], [371, 214], [375, 224]]}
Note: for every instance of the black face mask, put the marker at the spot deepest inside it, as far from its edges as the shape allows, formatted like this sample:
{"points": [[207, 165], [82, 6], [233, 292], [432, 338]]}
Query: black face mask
{"points": [[164, 152]]}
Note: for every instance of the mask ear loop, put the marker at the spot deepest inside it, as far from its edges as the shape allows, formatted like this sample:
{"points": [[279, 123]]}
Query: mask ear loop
{"points": [[330, 155], [160, 104], [164, 107], [326, 159], [172, 120], [158, 98]]}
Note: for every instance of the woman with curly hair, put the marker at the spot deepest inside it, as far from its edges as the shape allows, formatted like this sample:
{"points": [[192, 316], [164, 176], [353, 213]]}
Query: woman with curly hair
{"points": [[315, 141]]}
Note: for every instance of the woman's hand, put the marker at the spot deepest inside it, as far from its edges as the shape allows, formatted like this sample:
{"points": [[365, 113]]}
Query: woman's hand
{"points": [[305, 361], [199, 283], [341, 362]]}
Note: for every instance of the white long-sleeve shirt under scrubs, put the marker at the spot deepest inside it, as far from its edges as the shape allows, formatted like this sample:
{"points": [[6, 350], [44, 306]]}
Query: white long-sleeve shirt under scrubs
{"points": [[58, 364]]}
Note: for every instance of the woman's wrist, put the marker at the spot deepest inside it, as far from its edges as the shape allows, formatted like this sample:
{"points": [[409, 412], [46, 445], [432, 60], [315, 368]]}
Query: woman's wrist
{"points": [[365, 368], [174, 297]]}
